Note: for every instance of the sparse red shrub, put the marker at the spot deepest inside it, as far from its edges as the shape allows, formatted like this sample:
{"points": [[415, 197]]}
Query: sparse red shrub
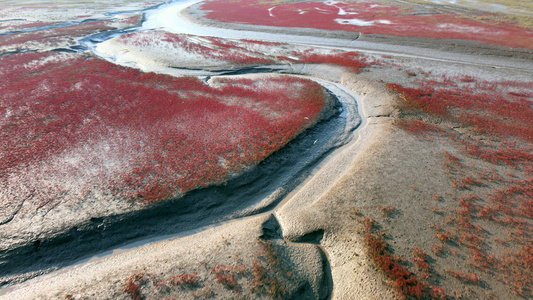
{"points": [[452, 158], [436, 210], [483, 110], [225, 275], [480, 107], [469, 180], [467, 79], [133, 286], [228, 280], [443, 236], [470, 240], [425, 98], [259, 272], [387, 210], [418, 126], [437, 248], [133, 20], [269, 271], [437, 293], [406, 282], [187, 279], [420, 260], [482, 259], [465, 277]]}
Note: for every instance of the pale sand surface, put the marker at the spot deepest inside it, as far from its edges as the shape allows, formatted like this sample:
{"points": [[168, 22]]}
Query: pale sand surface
{"points": [[104, 278]]}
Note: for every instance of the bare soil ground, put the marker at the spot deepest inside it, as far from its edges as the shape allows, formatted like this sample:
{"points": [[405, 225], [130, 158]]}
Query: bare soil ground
{"points": [[315, 244]]}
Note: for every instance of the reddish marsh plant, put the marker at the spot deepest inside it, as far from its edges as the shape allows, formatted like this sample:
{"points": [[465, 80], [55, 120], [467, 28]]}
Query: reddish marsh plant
{"points": [[184, 279], [387, 211], [133, 286], [371, 17], [492, 201], [403, 280], [140, 136]]}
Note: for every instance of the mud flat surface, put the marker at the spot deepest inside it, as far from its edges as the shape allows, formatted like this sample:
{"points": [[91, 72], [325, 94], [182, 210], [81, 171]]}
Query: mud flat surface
{"points": [[58, 236], [294, 226], [257, 190]]}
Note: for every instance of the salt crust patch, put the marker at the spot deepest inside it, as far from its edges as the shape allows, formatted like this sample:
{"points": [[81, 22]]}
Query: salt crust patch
{"points": [[461, 28], [159, 53], [270, 11], [341, 12], [359, 22]]}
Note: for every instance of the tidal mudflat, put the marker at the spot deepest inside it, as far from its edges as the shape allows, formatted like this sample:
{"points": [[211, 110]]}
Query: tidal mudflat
{"points": [[317, 150]]}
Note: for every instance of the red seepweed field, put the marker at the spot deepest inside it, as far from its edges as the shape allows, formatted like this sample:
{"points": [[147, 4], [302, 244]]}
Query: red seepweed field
{"points": [[372, 17], [485, 132], [420, 187], [74, 127]]}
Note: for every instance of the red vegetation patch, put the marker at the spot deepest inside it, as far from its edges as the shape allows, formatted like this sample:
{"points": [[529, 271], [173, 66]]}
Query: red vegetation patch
{"points": [[269, 271], [489, 168], [69, 124], [388, 210], [417, 126], [133, 286], [438, 293], [420, 260], [485, 106], [263, 274], [353, 60], [407, 283], [225, 275], [369, 17], [184, 279], [470, 278]]}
